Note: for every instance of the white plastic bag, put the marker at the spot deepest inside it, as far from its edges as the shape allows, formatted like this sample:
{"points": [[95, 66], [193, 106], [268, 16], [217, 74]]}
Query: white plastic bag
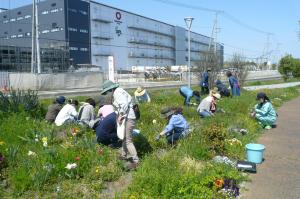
{"points": [[121, 130]]}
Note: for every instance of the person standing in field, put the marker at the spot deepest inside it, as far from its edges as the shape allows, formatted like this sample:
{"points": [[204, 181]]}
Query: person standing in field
{"points": [[234, 84]]}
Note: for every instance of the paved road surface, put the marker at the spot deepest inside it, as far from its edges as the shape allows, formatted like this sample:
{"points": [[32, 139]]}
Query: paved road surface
{"points": [[272, 86], [278, 177]]}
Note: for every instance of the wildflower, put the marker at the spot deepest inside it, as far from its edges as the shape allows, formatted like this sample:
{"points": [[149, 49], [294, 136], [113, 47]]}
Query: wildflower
{"points": [[36, 138], [100, 151], [71, 166], [2, 143], [77, 158], [58, 189], [97, 169], [31, 153], [219, 183], [74, 131], [45, 141], [154, 121]]}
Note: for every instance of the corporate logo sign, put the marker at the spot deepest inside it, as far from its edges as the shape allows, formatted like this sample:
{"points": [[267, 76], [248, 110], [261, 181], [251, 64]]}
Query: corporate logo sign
{"points": [[118, 18]]}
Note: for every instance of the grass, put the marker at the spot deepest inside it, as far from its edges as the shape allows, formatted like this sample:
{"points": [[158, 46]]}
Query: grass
{"points": [[181, 171], [273, 81]]}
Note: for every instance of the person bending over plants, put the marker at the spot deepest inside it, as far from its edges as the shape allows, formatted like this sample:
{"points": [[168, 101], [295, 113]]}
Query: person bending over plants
{"points": [[86, 116], [188, 93], [141, 95], [264, 111], [208, 105], [68, 113], [177, 126], [54, 109]]}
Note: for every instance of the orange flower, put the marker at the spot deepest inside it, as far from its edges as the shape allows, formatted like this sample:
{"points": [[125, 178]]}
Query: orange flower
{"points": [[74, 131], [219, 183]]}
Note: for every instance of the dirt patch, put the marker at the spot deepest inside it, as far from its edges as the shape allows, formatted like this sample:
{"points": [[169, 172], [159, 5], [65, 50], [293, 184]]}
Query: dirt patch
{"points": [[116, 188]]}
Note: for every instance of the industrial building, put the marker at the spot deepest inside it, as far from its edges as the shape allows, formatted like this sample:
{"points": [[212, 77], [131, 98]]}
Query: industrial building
{"points": [[87, 32]]}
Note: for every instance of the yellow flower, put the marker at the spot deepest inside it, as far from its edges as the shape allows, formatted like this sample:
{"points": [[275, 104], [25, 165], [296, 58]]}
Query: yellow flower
{"points": [[2, 143], [44, 139], [97, 169]]}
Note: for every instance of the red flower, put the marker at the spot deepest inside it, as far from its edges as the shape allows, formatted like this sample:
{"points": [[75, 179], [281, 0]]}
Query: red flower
{"points": [[219, 183], [77, 158], [100, 151]]}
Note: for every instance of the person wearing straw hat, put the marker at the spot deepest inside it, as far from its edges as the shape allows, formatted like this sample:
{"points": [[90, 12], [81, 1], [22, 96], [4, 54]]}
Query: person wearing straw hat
{"points": [[177, 126], [122, 101], [264, 111], [204, 82], [141, 95], [208, 105]]}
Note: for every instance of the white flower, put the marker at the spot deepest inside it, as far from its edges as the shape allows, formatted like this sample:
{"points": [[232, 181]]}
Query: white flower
{"points": [[31, 153], [154, 121], [36, 139], [58, 189], [45, 144], [71, 166]]}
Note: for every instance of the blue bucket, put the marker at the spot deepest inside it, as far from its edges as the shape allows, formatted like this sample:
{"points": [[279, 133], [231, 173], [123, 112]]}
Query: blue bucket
{"points": [[255, 152]]}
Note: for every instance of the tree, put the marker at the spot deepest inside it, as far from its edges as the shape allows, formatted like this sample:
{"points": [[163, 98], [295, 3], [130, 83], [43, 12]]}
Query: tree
{"points": [[289, 66], [212, 60], [240, 65]]}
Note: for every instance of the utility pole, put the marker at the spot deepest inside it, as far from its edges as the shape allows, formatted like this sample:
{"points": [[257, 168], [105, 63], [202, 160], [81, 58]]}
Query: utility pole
{"points": [[188, 22], [37, 39], [35, 45], [33, 39]]}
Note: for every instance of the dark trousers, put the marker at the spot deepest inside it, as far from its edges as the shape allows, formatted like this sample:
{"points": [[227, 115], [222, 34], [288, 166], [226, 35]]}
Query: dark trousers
{"points": [[204, 90], [175, 135]]}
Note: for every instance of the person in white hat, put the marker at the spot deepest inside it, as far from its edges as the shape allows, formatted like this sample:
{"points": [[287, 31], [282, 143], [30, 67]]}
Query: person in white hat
{"points": [[207, 107], [122, 101], [141, 95]]}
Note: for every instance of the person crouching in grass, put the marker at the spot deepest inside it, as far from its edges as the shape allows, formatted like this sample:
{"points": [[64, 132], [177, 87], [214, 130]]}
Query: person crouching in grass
{"points": [[264, 111], [188, 94], [208, 105], [177, 126]]}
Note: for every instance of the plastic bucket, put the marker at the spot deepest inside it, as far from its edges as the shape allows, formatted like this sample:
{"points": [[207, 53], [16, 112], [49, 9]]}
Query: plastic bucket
{"points": [[255, 152]]}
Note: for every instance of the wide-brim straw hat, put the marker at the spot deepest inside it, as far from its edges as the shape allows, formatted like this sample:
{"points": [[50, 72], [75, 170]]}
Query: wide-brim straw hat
{"points": [[216, 95], [166, 112], [108, 85], [140, 91]]}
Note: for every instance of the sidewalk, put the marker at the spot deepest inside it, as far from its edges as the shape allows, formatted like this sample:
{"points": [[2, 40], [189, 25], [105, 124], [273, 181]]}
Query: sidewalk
{"points": [[279, 175]]}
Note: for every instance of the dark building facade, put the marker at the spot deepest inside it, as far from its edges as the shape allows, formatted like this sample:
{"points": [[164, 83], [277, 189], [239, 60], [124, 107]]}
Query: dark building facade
{"points": [[63, 26]]}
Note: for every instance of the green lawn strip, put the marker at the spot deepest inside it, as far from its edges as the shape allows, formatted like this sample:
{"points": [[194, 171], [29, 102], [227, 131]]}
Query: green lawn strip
{"points": [[184, 171], [273, 81]]}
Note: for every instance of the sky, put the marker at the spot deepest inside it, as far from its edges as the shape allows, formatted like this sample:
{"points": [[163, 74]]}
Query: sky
{"points": [[280, 18]]}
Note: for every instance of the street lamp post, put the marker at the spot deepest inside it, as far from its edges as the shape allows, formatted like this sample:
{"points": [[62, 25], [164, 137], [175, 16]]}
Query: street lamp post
{"points": [[188, 22]]}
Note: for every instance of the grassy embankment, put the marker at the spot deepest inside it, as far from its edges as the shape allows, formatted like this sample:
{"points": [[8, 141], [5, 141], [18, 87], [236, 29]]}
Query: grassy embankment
{"points": [[32, 168]]}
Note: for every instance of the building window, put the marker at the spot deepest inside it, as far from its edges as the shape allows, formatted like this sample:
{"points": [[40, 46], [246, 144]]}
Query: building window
{"points": [[83, 49], [53, 4], [55, 30], [54, 10], [45, 12], [20, 30], [5, 32], [19, 18], [45, 31], [83, 12], [73, 48], [72, 10], [4, 16], [20, 35], [72, 29], [27, 16], [19, 13], [54, 25], [84, 31], [13, 19]]}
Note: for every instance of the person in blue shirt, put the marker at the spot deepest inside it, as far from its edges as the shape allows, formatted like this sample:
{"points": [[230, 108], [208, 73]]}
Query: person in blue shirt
{"points": [[264, 111], [224, 92], [177, 126], [234, 84], [204, 82], [188, 93]]}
